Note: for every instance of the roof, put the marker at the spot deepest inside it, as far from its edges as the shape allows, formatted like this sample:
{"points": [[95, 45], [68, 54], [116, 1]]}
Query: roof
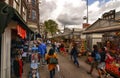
{"points": [[103, 25], [8, 13]]}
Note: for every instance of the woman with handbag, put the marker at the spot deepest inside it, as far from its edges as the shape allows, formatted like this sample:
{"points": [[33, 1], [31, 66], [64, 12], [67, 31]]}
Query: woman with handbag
{"points": [[52, 62]]}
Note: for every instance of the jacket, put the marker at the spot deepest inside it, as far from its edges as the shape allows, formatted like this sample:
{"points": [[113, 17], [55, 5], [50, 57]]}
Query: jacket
{"points": [[50, 66]]}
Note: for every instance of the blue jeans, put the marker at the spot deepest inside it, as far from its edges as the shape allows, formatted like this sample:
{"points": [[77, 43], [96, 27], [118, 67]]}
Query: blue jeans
{"points": [[76, 60], [52, 73]]}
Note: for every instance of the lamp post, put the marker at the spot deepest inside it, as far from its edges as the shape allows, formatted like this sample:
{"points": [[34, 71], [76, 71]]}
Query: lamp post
{"points": [[86, 17], [87, 10]]}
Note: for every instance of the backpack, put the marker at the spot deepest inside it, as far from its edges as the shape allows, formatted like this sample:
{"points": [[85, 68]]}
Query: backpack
{"points": [[97, 57], [53, 60]]}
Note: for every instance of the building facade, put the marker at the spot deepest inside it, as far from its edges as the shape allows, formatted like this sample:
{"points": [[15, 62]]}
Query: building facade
{"points": [[33, 15], [13, 13], [109, 22]]}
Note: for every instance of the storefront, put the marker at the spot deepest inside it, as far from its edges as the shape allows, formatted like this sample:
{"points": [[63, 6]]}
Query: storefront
{"points": [[9, 20], [112, 42], [110, 30]]}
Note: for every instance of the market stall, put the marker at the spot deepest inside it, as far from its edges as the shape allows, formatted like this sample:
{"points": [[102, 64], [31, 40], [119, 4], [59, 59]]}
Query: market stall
{"points": [[113, 69], [113, 47], [109, 27]]}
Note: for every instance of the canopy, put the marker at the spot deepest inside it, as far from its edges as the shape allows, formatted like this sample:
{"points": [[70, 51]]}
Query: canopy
{"points": [[8, 13]]}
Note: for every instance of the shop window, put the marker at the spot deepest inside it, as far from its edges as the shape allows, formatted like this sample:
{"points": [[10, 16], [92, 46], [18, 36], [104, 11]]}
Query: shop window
{"points": [[33, 14]]}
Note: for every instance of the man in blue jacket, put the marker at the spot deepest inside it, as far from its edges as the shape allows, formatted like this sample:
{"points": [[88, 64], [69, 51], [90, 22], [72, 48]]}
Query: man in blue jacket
{"points": [[42, 51]]}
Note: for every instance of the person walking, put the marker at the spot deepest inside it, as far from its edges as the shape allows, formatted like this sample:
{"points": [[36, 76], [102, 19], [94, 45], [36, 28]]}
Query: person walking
{"points": [[96, 59], [70, 48], [62, 48], [49, 58], [74, 53], [42, 51], [102, 64]]}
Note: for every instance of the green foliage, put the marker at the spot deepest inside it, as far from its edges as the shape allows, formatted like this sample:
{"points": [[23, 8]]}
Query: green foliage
{"points": [[51, 26]]}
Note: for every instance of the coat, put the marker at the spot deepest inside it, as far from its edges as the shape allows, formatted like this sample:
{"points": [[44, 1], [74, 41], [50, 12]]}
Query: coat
{"points": [[50, 66]]}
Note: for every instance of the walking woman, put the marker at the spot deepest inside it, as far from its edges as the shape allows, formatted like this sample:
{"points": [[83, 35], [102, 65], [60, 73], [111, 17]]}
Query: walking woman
{"points": [[74, 53], [51, 66]]}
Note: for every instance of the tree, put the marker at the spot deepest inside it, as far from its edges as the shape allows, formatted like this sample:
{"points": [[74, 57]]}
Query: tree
{"points": [[51, 26]]}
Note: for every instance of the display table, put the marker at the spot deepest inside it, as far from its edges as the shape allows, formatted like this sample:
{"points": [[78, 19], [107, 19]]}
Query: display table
{"points": [[113, 70]]}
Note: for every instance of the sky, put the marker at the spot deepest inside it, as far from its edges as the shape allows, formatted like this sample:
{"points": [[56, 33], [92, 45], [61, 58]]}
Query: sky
{"points": [[70, 13]]}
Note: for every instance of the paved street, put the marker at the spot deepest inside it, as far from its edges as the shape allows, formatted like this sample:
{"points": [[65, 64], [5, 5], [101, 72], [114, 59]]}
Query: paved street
{"points": [[67, 69]]}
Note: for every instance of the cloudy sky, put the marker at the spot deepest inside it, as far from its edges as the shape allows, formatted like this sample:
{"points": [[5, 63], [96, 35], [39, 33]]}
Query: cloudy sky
{"points": [[71, 12]]}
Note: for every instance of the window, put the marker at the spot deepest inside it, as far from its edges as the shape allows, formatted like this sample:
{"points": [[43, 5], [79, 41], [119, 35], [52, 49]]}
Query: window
{"points": [[17, 5], [17, 0], [28, 0], [24, 13], [33, 2], [33, 14], [29, 13]]}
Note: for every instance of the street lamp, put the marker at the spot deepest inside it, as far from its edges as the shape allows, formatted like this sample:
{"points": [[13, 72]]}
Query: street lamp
{"points": [[87, 10], [86, 17]]}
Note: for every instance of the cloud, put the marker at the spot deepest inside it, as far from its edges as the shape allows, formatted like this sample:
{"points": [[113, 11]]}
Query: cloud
{"points": [[46, 8], [72, 15], [71, 12]]}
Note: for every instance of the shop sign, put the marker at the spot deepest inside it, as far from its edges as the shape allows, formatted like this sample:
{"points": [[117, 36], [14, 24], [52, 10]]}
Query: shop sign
{"points": [[21, 32]]}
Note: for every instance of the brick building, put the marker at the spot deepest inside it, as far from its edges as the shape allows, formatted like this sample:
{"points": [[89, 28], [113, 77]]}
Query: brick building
{"points": [[33, 15]]}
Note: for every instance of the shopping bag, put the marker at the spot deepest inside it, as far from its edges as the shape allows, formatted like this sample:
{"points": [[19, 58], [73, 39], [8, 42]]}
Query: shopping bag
{"points": [[58, 67]]}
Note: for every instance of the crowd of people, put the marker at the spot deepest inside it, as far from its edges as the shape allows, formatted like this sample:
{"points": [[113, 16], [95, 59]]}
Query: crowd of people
{"points": [[100, 56], [38, 52]]}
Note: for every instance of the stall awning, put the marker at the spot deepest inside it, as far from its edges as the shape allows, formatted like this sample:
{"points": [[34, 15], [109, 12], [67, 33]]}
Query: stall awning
{"points": [[8, 13]]}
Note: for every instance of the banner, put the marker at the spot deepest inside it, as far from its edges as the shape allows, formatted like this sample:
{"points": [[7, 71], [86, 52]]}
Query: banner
{"points": [[21, 32]]}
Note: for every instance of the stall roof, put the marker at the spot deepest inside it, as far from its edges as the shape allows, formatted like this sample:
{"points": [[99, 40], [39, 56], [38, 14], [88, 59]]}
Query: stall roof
{"points": [[8, 13], [103, 25]]}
